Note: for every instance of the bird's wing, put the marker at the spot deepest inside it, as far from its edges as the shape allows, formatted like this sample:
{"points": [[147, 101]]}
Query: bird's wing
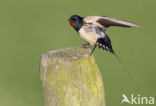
{"points": [[106, 21]]}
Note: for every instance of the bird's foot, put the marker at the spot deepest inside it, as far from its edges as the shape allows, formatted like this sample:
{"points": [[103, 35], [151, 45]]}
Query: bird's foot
{"points": [[86, 45]]}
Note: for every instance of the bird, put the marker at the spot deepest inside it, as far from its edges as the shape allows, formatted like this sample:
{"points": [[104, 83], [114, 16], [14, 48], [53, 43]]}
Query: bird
{"points": [[92, 29]]}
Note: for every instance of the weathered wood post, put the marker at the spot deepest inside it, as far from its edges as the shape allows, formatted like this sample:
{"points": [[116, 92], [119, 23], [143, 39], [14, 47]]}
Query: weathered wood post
{"points": [[70, 77]]}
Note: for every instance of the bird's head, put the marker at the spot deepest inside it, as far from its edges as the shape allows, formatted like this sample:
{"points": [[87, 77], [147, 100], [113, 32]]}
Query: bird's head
{"points": [[76, 22]]}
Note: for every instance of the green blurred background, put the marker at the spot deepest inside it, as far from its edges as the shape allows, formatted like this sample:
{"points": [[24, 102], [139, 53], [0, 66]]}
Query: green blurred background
{"points": [[29, 28]]}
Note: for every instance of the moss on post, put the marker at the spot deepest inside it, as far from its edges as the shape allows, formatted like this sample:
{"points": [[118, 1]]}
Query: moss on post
{"points": [[70, 77]]}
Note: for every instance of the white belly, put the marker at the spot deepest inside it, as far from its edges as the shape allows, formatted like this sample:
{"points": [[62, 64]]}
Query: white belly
{"points": [[89, 37]]}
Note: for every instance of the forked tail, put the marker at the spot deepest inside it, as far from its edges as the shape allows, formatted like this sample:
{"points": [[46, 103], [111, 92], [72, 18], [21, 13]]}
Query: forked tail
{"points": [[105, 44], [125, 68]]}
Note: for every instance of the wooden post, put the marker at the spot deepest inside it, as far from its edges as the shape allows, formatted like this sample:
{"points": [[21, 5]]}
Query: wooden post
{"points": [[70, 77]]}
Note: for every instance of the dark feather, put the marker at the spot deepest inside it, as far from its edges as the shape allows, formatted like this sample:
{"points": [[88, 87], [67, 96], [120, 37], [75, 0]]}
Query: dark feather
{"points": [[105, 44], [106, 21]]}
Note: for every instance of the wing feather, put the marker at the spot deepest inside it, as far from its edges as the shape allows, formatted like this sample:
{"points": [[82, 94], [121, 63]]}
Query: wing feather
{"points": [[107, 22]]}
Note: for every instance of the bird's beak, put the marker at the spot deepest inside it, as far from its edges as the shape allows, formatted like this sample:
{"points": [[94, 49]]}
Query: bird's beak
{"points": [[68, 19]]}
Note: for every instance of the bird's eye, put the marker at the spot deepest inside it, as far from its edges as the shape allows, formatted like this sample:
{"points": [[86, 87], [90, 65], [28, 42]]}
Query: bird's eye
{"points": [[73, 19]]}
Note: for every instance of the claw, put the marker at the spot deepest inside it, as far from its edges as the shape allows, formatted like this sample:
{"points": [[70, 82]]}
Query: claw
{"points": [[86, 45]]}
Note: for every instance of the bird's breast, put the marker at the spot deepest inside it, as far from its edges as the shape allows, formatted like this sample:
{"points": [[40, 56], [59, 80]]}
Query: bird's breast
{"points": [[90, 34]]}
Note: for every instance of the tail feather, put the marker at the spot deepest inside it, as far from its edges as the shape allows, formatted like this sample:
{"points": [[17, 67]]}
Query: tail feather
{"points": [[105, 44], [125, 68]]}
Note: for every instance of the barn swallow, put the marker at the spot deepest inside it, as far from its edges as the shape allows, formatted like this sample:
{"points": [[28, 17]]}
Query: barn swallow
{"points": [[92, 30]]}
